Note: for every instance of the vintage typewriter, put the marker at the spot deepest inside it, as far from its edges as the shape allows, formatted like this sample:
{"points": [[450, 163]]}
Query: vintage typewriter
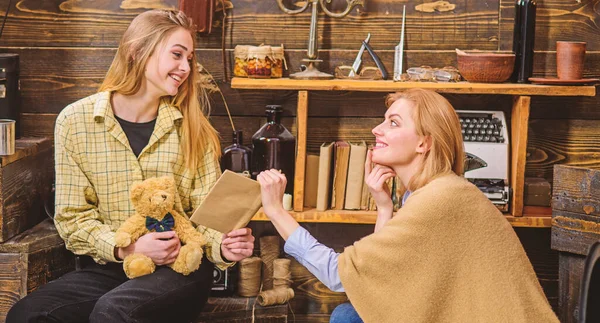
{"points": [[486, 146]]}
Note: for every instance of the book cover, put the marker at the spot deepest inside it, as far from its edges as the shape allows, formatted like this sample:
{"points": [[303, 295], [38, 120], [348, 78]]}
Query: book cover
{"points": [[324, 176], [340, 174], [230, 204], [356, 174]]}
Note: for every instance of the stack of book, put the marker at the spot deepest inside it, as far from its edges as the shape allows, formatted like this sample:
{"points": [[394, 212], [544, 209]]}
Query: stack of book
{"points": [[335, 178]]}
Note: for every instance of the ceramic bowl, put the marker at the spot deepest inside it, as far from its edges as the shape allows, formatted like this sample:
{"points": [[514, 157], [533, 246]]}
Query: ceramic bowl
{"points": [[485, 67]]}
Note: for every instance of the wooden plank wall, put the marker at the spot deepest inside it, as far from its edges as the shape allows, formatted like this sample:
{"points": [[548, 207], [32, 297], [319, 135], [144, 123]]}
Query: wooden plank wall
{"points": [[66, 47]]}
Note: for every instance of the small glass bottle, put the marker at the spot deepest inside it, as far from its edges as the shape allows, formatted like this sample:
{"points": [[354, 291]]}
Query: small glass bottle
{"points": [[274, 147], [237, 157]]}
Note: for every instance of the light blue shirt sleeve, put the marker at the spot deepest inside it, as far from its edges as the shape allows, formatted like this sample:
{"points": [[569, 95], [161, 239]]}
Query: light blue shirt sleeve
{"points": [[320, 260]]}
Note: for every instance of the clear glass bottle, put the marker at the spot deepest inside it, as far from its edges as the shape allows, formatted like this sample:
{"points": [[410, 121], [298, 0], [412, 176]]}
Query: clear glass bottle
{"points": [[274, 147], [237, 157]]}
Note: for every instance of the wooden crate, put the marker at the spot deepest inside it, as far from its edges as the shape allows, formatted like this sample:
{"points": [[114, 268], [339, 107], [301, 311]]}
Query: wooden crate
{"points": [[26, 179], [239, 310], [30, 260], [575, 227]]}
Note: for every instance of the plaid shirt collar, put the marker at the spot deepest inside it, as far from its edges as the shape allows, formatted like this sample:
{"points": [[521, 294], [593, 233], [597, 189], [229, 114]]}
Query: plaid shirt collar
{"points": [[166, 112], [168, 116]]}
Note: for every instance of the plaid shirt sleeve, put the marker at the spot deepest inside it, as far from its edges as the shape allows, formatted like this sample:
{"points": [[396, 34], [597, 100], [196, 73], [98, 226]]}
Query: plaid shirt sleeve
{"points": [[77, 218], [206, 176]]}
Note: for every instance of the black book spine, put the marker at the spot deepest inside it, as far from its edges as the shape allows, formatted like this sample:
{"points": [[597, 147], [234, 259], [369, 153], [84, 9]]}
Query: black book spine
{"points": [[527, 40], [517, 40]]}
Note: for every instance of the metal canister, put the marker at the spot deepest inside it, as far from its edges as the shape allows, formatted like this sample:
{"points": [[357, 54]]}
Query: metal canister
{"points": [[7, 137]]}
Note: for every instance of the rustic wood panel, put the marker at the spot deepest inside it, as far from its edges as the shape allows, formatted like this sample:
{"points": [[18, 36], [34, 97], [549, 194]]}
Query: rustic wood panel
{"points": [[240, 310], [576, 190], [574, 232], [30, 260], [543, 258], [566, 107], [573, 142], [25, 184], [570, 273], [471, 24], [12, 285], [555, 20]]}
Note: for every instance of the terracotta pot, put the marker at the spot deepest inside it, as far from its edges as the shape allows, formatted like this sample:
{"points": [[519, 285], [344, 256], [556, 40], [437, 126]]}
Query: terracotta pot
{"points": [[485, 67], [570, 56]]}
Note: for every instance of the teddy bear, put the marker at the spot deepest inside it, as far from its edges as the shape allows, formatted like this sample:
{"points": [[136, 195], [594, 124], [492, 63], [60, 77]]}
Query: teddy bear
{"points": [[154, 202]]}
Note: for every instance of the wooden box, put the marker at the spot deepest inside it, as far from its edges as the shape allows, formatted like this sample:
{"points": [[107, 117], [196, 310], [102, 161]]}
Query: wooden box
{"points": [[26, 179], [239, 310], [575, 227], [30, 260], [538, 192]]}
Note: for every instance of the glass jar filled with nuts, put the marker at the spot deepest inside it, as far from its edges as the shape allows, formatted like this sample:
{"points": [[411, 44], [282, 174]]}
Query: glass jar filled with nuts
{"points": [[240, 53], [278, 62], [259, 62]]}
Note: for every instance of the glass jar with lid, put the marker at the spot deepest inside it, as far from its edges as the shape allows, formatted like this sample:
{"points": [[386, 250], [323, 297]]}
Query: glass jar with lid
{"points": [[278, 62], [259, 61], [240, 54]]}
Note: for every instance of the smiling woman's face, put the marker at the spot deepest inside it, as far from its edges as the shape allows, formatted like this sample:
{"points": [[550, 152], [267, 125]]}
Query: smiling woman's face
{"points": [[169, 65], [396, 137]]}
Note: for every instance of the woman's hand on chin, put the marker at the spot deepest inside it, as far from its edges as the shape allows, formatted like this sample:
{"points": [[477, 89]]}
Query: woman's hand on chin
{"points": [[272, 187], [375, 177]]}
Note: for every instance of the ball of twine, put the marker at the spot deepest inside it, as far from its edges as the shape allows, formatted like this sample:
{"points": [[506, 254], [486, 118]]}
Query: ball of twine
{"points": [[269, 251], [275, 296], [249, 280], [281, 273]]}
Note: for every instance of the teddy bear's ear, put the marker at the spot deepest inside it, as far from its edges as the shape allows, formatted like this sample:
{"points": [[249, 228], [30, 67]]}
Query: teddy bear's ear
{"points": [[136, 191]]}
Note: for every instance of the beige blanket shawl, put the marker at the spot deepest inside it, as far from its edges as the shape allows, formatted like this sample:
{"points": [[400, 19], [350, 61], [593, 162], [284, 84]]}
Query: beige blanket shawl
{"points": [[447, 256]]}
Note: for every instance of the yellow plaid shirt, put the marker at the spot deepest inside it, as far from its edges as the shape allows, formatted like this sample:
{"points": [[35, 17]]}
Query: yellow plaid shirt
{"points": [[95, 168]]}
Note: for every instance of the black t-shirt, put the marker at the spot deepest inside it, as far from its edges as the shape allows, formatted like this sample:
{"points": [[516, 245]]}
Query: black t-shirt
{"points": [[138, 133]]}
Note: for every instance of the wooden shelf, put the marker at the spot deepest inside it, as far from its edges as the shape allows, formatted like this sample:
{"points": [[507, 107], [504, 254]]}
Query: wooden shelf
{"points": [[369, 217], [390, 86], [519, 215]]}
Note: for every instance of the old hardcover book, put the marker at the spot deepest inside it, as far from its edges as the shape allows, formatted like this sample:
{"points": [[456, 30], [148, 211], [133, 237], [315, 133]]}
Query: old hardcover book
{"points": [[340, 174], [311, 180], [356, 174], [324, 177], [230, 204]]}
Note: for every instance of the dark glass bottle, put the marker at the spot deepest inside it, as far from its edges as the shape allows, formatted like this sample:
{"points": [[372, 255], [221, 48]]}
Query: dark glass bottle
{"points": [[274, 147], [517, 40], [237, 157], [523, 38]]}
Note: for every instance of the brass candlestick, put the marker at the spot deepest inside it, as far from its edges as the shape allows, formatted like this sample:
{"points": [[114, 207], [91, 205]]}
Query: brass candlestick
{"points": [[311, 72]]}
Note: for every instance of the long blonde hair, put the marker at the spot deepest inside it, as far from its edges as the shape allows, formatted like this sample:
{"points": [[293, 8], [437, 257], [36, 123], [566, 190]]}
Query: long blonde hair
{"points": [[435, 118], [141, 39]]}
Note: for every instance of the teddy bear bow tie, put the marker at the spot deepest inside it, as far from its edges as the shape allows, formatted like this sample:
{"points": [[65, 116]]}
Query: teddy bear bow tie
{"points": [[166, 224]]}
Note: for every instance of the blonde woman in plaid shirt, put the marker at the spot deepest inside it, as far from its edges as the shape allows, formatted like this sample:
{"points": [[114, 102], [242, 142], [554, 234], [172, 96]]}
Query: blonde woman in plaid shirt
{"points": [[146, 121]]}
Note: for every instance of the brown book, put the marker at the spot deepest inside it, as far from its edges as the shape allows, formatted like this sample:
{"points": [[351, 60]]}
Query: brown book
{"points": [[230, 204], [324, 177], [340, 174], [364, 198], [356, 175], [311, 180]]}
